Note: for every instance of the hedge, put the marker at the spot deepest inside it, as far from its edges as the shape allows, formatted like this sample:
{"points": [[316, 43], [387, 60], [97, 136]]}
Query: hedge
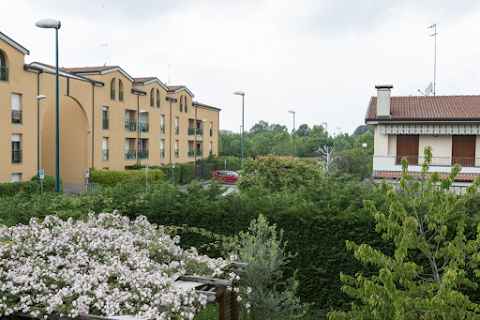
{"points": [[110, 178], [31, 187], [48, 183], [233, 163], [167, 170], [186, 172]]}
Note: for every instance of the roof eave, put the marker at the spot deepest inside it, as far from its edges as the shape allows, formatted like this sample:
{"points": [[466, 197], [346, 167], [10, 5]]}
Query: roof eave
{"points": [[14, 44]]}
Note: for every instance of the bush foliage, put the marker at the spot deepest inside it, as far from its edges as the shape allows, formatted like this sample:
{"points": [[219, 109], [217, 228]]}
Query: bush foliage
{"points": [[110, 178]]}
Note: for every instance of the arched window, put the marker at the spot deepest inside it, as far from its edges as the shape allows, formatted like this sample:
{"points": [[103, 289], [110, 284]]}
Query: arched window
{"points": [[152, 99], [3, 67], [112, 89], [120, 90], [181, 103], [158, 98], [185, 102]]}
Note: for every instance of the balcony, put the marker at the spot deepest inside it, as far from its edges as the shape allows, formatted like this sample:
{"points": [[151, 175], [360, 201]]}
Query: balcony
{"points": [[120, 96], [143, 126], [162, 128], [152, 102], [130, 154], [191, 153], [16, 156], [3, 74], [162, 153], [17, 116], [104, 154], [112, 94], [143, 153], [105, 124], [130, 126], [440, 164], [177, 129], [158, 103], [176, 153], [191, 131], [199, 152], [199, 132]]}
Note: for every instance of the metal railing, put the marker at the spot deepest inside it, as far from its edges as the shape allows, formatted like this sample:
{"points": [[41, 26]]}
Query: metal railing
{"points": [[143, 153], [112, 94], [151, 102], [191, 153], [181, 107], [130, 154], [162, 128], [162, 153], [199, 132], [120, 95], [199, 152], [143, 126], [191, 131], [177, 129], [176, 153], [130, 126], [104, 154], [16, 156], [3, 73], [158, 103], [105, 123], [441, 161], [78, 187], [16, 116]]}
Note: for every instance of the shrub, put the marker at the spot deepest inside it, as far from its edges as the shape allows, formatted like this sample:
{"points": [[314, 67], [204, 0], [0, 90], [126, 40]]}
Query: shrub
{"points": [[11, 189], [48, 183], [167, 170], [233, 163], [186, 172], [110, 178]]}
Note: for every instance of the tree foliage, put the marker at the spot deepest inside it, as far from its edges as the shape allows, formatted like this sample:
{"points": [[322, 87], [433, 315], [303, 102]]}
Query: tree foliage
{"points": [[433, 261]]}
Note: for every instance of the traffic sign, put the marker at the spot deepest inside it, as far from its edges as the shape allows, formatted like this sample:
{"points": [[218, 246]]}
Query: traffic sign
{"points": [[146, 167], [173, 165], [42, 174], [87, 173]]}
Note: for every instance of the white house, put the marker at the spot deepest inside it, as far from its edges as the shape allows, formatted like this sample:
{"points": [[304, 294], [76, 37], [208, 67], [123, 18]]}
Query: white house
{"points": [[403, 126]]}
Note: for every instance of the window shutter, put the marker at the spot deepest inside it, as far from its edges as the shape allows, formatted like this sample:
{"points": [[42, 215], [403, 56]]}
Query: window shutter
{"points": [[104, 143], [161, 144], [15, 137], [161, 120], [127, 115], [176, 144], [127, 144], [105, 108], [15, 101], [15, 177]]}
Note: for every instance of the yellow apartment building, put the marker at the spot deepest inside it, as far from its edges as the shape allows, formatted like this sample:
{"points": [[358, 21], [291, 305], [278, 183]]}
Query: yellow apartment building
{"points": [[107, 119]]}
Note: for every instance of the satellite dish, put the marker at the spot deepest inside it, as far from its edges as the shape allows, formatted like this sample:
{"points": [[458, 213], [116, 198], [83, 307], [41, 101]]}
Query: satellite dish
{"points": [[429, 89]]}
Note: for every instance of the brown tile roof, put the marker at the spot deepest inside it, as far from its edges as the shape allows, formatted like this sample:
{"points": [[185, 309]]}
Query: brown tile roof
{"points": [[204, 105], [430, 108], [142, 79], [173, 88], [88, 69], [398, 175]]}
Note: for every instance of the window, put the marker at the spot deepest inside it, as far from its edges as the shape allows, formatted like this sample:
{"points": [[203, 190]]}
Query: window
{"points": [[16, 112], [176, 148], [143, 148], [120, 90], [210, 147], [162, 125], [16, 177], [162, 150], [152, 99], [105, 169], [463, 150], [130, 152], [130, 124], [185, 102], [176, 125], [211, 132], [112, 89], [143, 121], [3, 67], [181, 104], [407, 146], [105, 149], [105, 118], [16, 148], [158, 98]]}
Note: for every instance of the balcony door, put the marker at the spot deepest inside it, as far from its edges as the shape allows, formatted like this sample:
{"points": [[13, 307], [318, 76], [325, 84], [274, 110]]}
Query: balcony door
{"points": [[463, 150], [407, 146]]}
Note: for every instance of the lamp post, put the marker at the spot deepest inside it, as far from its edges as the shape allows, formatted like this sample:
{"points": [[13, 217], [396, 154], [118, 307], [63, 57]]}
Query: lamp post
{"points": [[54, 24], [339, 133], [203, 148], [38, 135], [241, 93], [293, 132], [326, 136], [364, 145]]}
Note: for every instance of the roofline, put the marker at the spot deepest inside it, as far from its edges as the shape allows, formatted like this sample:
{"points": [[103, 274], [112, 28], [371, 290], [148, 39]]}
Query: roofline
{"points": [[154, 79], [205, 107], [171, 99], [26, 67], [117, 68], [368, 109], [139, 92], [420, 120], [66, 74], [182, 88], [14, 44]]}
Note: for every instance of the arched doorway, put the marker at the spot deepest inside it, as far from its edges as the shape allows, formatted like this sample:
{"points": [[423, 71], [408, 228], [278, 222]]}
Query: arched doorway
{"points": [[73, 140]]}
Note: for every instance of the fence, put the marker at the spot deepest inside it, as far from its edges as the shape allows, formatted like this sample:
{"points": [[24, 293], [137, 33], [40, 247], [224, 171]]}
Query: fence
{"points": [[78, 187], [209, 169]]}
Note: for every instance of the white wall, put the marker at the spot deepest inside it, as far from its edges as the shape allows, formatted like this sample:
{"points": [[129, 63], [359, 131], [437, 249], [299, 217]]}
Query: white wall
{"points": [[441, 145]]}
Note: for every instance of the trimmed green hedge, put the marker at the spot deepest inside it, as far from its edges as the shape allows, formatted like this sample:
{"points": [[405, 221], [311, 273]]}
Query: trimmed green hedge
{"points": [[110, 178], [167, 170], [48, 183], [186, 173], [31, 187]]}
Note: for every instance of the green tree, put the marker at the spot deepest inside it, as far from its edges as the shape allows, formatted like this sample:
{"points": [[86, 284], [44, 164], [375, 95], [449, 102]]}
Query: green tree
{"points": [[263, 143], [352, 161], [276, 128], [303, 130], [362, 129], [430, 268], [260, 127]]}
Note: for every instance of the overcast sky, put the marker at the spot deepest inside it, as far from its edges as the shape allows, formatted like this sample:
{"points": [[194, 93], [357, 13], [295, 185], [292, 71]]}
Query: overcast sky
{"points": [[321, 58]]}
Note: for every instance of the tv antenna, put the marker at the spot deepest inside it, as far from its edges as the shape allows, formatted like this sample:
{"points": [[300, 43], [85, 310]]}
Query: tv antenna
{"points": [[105, 53], [427, 91], [434, 27]]}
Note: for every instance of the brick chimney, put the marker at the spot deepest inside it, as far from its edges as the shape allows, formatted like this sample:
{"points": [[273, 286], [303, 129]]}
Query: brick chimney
{"points": [[383, 100]]}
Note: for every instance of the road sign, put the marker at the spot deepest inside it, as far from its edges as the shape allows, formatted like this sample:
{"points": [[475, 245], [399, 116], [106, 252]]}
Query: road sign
{"points": [[42, 174], [87, 173], [146, 167], [173, 165], [86, 181]]}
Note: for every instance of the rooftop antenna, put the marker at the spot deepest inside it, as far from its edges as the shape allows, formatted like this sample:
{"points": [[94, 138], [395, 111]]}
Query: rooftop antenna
{"points": [[434, 26], [105, 53], [168, 74]]}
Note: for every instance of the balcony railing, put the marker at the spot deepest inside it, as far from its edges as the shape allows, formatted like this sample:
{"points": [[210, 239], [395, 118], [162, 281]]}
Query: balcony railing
{"points": [[191, 131], [143, 153], [3, 73], [181, 107], [211, 133], [151, 102], [130, 154], [16, 116], [104, 154], [199, 132], [191, 153], [112, 94], [158, 103], [162, 128], [16, 156], [143, 126], [105, 124], [199, 152], [176, 153], [177, 129], [130, 126], [441, 161], [120, 95], [162, 153]]}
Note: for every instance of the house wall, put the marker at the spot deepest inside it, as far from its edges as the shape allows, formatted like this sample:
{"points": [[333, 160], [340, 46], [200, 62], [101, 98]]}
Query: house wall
{"points": [[441, 145]]}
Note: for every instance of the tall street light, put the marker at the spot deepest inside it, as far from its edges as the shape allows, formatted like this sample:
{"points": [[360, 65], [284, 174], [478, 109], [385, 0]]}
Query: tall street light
{"points": [[293, 132], [54, 24], [241, 93], [203, 147], [326, 136], [38, 135]]}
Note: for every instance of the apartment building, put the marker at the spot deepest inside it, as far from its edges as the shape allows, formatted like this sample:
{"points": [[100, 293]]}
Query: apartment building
{"points": [[107, 119]]}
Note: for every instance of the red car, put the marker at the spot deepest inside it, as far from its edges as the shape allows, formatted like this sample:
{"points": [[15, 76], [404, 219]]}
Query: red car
{"points": [[225, 176]]}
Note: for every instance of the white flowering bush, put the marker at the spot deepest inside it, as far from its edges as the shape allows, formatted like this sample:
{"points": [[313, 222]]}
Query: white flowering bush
{"points": [[106, 265]]}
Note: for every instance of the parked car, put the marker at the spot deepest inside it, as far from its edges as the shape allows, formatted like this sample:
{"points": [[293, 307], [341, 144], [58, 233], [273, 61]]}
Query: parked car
{"points": [[225, 176]]}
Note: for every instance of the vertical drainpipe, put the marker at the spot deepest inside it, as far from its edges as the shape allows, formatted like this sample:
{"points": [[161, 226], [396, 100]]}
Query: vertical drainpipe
{"points": [[195, 134], [93, 125], [38, 128], [138, 129], [172, 140]]}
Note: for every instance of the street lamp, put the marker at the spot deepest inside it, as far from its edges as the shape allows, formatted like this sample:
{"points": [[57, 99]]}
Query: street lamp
{"points": [[364, 145], [241, 93], [339, 133], [326, 136], [293, 132], [38, 135], [203, 148], [54, 24]]}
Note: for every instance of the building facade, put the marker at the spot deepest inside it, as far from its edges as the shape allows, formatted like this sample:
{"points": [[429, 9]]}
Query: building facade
{"points": [[107, 119], [404, 126]]}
